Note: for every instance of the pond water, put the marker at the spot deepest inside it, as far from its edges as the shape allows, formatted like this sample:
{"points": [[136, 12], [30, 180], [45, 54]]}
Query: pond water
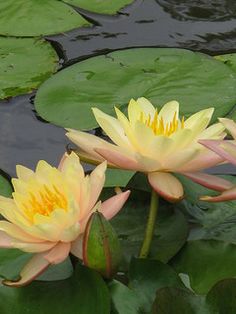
{"points": [[203, 25]]}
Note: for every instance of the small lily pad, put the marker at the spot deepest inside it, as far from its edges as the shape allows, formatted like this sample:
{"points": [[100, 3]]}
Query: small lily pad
{"points": [[35, 18], [24, 64]]}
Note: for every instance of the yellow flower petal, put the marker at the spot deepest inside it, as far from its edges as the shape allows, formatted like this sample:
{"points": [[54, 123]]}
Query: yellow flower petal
{"points": [[168, 111]]}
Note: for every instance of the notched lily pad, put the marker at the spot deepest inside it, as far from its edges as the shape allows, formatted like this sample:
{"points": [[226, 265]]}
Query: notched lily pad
{"points": [[24, 64]]}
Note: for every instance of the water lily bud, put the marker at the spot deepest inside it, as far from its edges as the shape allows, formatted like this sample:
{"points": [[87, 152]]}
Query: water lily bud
{"points": [[101, 246]]}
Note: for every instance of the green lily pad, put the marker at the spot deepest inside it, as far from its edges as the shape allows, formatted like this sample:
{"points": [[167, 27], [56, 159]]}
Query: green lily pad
{"points": [[100, 6], [5, 187], [118, 177], [206, 262], [170, 234], [196, 80], [85, 292], [229, 59], [35, 18], [212, 220], [24, 64], [220, 300]]}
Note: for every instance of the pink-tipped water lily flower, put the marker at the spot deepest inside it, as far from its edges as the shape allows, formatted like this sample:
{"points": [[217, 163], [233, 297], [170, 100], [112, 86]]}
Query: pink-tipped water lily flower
{"points": [[49, 211], [226, 149], [156, 143]]}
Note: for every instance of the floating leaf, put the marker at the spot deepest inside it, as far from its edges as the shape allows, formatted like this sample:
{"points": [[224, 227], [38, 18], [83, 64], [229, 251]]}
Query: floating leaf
{"points": [[147, 276], [36, 18], [5, 186], [85, 292], [220, 299], [170, 234], [196, 80], [100, 6], [25, 64], [229, 59], [206, 262], [118, 177]]}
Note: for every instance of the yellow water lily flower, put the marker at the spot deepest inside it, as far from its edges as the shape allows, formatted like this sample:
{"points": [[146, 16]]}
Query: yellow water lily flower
{"points": [[156, 143], [49, 211]]}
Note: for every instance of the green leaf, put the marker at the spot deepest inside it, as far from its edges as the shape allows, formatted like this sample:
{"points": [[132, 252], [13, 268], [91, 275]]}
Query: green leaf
{"points": [[36, 18], [214, 220], [104, 6], [206, 262], [11, 262], [147, 276], [118, 177], [58, 272], [25, 64], [5, 186], [220, 300], [124, 300], [170, 234], [196, 80], [85, 292], [229, 59]]}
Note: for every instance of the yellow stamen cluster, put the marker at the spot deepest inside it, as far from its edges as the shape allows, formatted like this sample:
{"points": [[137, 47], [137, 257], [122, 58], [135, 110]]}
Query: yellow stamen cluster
{"points": [[45, 201], [159, 126]]}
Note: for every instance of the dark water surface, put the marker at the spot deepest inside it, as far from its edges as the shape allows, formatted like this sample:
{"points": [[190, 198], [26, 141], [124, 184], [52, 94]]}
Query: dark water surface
{"points": [[199, 25]]}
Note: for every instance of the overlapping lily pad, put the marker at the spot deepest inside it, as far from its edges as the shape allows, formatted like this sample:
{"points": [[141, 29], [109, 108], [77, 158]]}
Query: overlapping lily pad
{"points": [[100, 6], [170, 233], [196, 80], [36, 18], [5, 186], [85, 292], [24, 65]]}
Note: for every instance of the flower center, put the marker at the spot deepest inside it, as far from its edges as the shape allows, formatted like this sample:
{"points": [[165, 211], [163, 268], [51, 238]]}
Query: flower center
{"points": [[159, 126], [45, 201]]}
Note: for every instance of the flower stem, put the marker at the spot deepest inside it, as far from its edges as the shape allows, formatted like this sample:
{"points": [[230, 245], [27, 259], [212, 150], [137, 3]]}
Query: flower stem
{"points": [[150, 225]]}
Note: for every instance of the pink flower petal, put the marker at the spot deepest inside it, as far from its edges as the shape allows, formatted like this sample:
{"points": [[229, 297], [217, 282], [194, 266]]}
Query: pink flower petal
{"points": [[209, 181], [222, 148], [228, 195], [119, 159], [35, 267], [202, 161], [166, 185], [5, 240], [59, 253], [113, 205]]}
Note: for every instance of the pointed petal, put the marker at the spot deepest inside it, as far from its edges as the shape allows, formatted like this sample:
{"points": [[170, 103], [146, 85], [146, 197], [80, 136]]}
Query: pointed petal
{"points": [[71, 166], [230, 125], [146, 106], [5, 240], [24, 173], [194, 120], [209, 181], [112, 128], [77, 247], [118, 158], [114, 204], [225, 149], [96, 182], [214, 132], [32, 247], [134, 111], [59, 253], [87, 142], [166, 185], [17, 233], [228, 195], [205, 159], [168, 111], [35, 267]]}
